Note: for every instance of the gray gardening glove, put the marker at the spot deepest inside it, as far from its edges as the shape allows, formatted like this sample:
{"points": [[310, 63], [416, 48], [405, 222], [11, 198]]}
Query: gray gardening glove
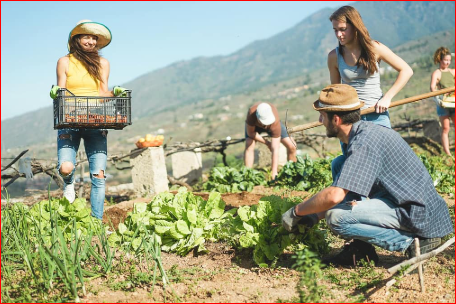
{"points": [[290, 220], [437, 100]]}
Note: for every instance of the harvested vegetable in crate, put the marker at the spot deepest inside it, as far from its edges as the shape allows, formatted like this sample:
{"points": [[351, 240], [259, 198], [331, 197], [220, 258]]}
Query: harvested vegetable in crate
{"points": [[91, 112]]}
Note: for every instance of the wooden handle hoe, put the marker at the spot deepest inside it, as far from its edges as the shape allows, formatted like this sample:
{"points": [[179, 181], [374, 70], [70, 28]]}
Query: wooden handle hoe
{"points": [[372, 109]]}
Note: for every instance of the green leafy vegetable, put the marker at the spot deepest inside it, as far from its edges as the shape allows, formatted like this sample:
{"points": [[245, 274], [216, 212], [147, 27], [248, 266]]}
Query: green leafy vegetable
{"points": [[305, 174], [231, 180], [181, 222], [259, 227]]}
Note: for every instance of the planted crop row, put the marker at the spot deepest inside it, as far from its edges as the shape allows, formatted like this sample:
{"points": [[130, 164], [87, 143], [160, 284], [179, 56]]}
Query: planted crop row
{"points": [[51, 249], [314, 175], [184, 222], [231, 180]]}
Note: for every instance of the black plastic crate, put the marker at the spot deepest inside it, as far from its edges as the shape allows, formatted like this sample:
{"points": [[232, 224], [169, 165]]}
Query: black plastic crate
{"points": [[91, 112]]}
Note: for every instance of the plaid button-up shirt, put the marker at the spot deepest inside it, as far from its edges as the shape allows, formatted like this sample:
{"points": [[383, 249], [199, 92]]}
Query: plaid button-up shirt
{"points": [[379, 161]]}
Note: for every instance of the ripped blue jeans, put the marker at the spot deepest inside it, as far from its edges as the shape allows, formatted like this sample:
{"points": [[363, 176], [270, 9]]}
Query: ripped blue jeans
{"points": [[374, 221], [95, 143]]}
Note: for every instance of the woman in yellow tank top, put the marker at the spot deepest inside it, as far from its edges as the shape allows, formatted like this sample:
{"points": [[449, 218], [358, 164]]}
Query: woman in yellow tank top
{"points": [[442, 78], [85, 73]]}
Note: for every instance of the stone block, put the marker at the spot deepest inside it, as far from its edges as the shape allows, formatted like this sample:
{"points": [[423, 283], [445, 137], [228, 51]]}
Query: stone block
{"points": [[149, 174], [187, 166]]}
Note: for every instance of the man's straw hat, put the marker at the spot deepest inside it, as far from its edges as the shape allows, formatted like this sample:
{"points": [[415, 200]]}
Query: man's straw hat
{"points": [[338, 97], [93, 28]]}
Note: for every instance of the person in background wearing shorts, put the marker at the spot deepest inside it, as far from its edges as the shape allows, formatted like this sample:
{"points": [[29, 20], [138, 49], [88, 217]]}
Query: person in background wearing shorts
{"points": [[443, 78], [264, 117]]}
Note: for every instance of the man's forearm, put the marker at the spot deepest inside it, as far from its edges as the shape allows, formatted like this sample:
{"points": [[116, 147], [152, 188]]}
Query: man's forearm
{"points": [[259, 138], [322, 201]]}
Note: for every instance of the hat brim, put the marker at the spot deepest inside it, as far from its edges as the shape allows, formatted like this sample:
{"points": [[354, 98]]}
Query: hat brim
{"points": [[92, 28], [317, 105], [267, 122]]}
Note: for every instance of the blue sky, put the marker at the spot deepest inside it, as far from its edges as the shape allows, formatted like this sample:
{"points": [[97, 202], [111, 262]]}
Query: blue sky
{"points": [[146, 36]]}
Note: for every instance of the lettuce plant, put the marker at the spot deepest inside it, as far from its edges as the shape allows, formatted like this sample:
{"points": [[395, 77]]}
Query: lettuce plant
{"points": [[181, 222], [259, 227], [305, 174], [232, 180]]}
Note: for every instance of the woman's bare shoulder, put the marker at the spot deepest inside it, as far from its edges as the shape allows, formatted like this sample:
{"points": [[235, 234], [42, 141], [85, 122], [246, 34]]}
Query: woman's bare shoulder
{"points": [[436, 74], [63, 63], [104, 61], [378, 46], [64, 59], [437, 71]]}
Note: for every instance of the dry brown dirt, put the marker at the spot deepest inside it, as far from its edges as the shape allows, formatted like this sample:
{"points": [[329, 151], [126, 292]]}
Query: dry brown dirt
{"points": [[224, 275]]}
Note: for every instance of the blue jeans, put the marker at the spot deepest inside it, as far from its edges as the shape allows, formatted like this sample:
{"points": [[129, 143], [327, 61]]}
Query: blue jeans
{"points": [[95, 143], [372, 220]]}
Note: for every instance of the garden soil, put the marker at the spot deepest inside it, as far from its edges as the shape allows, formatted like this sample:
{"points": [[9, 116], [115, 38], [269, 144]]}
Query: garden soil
{"points": [[224, 275]]}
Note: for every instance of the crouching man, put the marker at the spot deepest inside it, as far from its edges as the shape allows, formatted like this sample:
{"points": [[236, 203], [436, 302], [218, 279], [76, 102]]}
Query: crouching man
{"points": [[402, 202]]}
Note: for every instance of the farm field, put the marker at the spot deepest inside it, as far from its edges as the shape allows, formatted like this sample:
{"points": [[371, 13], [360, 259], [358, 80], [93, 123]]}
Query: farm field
{"points": [[220, 242], [227, 275]]}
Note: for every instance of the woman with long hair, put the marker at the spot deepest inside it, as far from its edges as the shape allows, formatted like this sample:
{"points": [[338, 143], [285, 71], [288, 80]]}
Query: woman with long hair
{"points": [[356, 62], [442, 78], [85, 73]]}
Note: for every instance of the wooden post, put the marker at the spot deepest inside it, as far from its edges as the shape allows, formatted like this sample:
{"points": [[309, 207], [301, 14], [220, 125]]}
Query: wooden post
{"points": [[420, 265]]}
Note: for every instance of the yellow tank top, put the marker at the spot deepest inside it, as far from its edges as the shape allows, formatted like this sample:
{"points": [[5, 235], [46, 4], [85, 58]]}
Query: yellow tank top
{"points": [[79, 82]]}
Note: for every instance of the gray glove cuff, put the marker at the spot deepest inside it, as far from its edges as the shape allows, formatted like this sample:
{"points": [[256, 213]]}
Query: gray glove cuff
{"points": [[293, 212]]}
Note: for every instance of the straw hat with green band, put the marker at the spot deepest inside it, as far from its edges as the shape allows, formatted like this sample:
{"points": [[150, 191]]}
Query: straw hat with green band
{"points": [[92, 28]]}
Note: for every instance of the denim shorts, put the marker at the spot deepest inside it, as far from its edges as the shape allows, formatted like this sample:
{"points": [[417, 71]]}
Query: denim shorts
{"points": [[441, 111], [283, 132], [382, 119]]}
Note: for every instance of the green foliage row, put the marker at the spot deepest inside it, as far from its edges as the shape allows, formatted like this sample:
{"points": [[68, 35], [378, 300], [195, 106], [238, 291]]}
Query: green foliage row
{"points": [[232, 180], [314, 175], [38, 217], [442, 171], [47, 246], [183, 222], [302, 175], [179, 222], [51, 249], [306, 174], [259, 227]]}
